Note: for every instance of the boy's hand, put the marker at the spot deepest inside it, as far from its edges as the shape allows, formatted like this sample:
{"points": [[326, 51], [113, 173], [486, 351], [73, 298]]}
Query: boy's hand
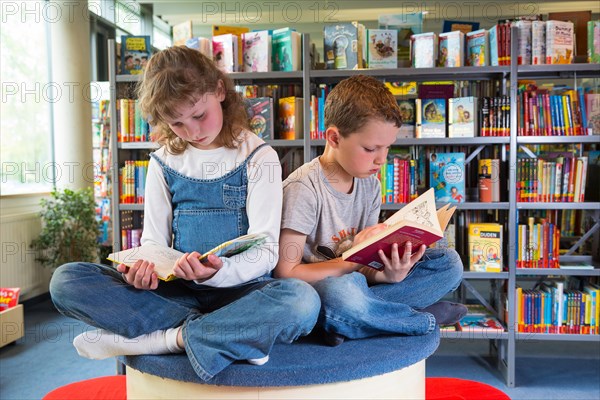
{"points": [[190, 268], [397, 268], [140, 276], [368, 232]]}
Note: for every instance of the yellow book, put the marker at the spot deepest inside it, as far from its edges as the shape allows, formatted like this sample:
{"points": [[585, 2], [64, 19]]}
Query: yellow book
{"points": [[164, 258], [485, 247]]}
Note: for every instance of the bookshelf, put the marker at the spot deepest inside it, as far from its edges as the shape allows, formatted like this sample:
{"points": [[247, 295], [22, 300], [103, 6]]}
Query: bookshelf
{"points": [[503, 343]]}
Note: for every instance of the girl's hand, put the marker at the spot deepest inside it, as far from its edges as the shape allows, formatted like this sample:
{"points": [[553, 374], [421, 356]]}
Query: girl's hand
{"points": [[397, 268], [190, 268], [140, 276]]}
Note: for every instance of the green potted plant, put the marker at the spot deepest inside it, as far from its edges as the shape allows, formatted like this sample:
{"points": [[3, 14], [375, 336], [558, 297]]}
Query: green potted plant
{"points": [[69, 228]]}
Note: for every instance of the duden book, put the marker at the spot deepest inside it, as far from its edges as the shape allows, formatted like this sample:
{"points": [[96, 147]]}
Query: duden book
{"points": [[417, 222], [164, 258]]}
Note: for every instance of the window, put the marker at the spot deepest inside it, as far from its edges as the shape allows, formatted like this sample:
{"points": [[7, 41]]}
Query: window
{"points": [[26, 140]]}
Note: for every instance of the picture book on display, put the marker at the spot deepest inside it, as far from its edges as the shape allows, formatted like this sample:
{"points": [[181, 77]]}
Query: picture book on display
{"points": [[538, 42], [451, 49], [164, 258], [447, 176], [135, 52], [418, 222], [424, 49], [340, 45], [559, 42], [524, 44], [593, 42], [408, 113], [406, 25], [485, 247], [261, 118], [382, 50], [477, 48], [290, 121], [256, 47], [225, 52], [462, 117], [478, 319], [431, 118], [287, 50]]}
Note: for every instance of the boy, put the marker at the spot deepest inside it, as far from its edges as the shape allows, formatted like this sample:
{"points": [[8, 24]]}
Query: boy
{"points": [[333, 202]]}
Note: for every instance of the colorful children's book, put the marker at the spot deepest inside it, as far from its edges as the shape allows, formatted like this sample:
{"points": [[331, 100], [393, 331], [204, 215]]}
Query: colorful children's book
{"points": [[447, 176], [408, 113], [340, 43], [593, 39], [237, 31], [451, 49], [478, 48], [225, 52], [406, 25], [164, 258], [290, 118], [485, 247], [417, 222], [478, 319], [260, 114], [538, 42], [424, 49], [287, 50], [559, 42], [494, 41], [431, 118], [256, 47], [462, 117], [488, 172], [135, 52], [382, 48]]}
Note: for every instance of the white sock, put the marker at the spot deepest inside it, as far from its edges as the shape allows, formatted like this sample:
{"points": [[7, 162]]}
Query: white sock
{"points": [[258, 361], [100, 344]]}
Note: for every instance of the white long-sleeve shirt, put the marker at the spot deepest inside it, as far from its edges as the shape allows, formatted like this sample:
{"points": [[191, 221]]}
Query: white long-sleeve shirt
{"points": [[263, 204]]}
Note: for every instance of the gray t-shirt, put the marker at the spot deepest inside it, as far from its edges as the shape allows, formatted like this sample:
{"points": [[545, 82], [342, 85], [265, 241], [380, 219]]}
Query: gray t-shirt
{"points": [[330, 219]]}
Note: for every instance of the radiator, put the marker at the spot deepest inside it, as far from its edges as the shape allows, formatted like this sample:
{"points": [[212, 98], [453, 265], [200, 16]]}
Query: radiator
{"points": [[18, 267]]}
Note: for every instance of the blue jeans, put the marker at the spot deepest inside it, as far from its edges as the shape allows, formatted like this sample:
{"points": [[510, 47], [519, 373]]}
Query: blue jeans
{"points": [[220, 325], [352, 308]]}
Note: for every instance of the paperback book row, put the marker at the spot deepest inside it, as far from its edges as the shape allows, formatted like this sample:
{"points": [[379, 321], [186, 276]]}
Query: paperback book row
{"points": [[562, 112], [552, 179], [538, 243], [236, 49], [132, 223], [132, 181], [131, 127], [478, 319], [555, 309]]}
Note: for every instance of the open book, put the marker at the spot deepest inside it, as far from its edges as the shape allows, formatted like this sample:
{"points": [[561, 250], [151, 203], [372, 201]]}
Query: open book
{"points": [[164, 258], [417, 222]]}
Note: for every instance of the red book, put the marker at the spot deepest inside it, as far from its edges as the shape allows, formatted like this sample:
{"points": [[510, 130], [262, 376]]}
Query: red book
{"points": [[417, 222]]}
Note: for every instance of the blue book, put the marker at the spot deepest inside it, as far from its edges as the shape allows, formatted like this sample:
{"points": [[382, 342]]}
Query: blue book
{"points": [[494, 59], [135, 52], [447, 177]]}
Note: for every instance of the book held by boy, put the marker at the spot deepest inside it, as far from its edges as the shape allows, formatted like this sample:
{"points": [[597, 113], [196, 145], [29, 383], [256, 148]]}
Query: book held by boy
{"points": [[164, 258], [417, 222]]}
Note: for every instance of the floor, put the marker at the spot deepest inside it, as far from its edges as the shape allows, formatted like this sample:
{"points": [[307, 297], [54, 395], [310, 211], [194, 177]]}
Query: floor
{"points": [[45, 360]]}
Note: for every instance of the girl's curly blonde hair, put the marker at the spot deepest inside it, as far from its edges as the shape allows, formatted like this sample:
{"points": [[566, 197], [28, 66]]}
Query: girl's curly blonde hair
{"points": [[180, 75]]}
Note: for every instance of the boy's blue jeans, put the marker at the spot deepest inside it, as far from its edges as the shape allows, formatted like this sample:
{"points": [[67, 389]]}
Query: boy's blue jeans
{"points": [[352, 308], [220, 325]]}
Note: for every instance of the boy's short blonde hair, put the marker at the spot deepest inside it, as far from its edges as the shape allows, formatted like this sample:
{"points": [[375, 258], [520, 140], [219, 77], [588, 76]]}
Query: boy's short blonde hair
{"points": [[180, 75], [355, 101]]}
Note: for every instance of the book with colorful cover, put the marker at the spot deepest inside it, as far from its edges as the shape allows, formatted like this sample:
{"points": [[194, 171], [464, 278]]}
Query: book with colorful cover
{"points": [[451, 49], [488, 173], [418, 222], [478, 48], [592, 113], [225, 52], [290, 118], [237, 31], [593, 39], [408, 114], [9, 297], [340, 45], [424, 49], [164, 258], [579, 20], [256, 48], [559, 42], [287, 50], [406, 25], [478, 319], [382, 50], [494, 41], [462, 117], [431, 118], [447, 176], [261, 117], [485, 247], [135, 52]]}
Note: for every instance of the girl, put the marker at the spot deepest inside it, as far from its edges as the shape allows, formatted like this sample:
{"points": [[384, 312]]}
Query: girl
{"points": [[211, 181]]}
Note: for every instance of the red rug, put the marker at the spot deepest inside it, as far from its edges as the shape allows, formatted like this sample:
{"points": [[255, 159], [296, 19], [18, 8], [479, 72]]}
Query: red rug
{"points": [[461, 389], [114, 388]]}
